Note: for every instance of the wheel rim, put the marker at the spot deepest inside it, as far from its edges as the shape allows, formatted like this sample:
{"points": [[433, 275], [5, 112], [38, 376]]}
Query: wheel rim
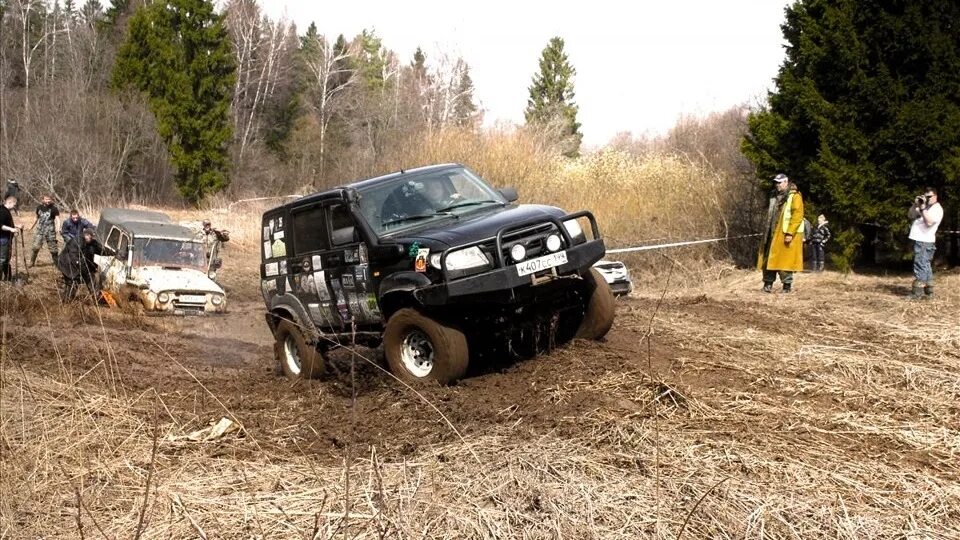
{"points": [[291, 355], [416, 353]]}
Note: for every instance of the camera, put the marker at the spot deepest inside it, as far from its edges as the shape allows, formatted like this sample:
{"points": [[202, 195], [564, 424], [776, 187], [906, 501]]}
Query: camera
{"points": [[921, 199]]}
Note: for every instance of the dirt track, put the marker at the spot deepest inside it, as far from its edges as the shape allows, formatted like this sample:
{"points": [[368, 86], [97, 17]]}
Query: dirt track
{"points": [[730, 372]]}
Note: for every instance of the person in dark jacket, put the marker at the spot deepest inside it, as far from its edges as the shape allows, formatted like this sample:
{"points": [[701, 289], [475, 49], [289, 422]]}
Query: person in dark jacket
{"points": [[13, 190], [72, 227], [8, 231], [78, 265], [819, 237]]}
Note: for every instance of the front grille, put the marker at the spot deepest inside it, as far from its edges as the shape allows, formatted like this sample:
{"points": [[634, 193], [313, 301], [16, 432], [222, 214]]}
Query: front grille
{"points": [[534, 239]]}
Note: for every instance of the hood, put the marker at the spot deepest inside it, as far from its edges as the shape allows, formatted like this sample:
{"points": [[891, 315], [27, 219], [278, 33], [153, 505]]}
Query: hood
{"points": [[480, 226], [162, 279]]}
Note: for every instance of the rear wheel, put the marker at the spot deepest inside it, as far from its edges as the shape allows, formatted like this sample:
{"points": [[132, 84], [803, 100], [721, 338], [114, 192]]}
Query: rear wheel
{"points": [[419, 348], [296, 358], [601, 308]]}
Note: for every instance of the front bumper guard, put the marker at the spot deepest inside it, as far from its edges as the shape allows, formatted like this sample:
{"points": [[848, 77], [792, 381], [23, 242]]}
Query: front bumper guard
{"points": [[504, 277]]}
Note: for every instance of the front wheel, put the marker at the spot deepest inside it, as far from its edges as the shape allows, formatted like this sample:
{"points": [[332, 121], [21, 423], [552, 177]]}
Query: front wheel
{"points": [[601, 308], [419, 348], [296, 358]]}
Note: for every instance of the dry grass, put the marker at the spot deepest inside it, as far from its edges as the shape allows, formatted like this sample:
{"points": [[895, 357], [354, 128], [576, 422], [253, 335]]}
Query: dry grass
{"points": [[757, 417]]}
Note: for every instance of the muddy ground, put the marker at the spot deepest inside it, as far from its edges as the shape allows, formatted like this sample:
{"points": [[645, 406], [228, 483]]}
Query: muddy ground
{"points": [[773, 386]]}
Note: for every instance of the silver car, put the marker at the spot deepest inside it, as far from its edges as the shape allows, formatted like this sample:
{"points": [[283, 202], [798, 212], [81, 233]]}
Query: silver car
{"points": [[617, 276]]}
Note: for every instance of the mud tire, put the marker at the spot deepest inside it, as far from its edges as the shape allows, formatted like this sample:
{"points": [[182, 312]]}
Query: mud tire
{"points": [[600, 310], [311, 360], [450, 356]]}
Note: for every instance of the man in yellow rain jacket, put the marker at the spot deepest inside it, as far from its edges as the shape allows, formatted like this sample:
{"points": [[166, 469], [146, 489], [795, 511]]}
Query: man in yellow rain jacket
{"points": [[782, 248]]}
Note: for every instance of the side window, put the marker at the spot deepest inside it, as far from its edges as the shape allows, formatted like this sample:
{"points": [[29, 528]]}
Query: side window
{"points": [[123, 247], [309, 233], [343, 228], [113, 239]]}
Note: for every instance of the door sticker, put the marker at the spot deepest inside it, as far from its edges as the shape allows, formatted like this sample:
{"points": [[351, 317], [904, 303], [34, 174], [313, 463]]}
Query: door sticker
{"points": [[347, 280], [269, 288], [341, 300], [271, 269], [420, 263], [350, 256], [317, 262], [267, 250], [320, 283], [278, 248], [266, 232], [283, 267]]}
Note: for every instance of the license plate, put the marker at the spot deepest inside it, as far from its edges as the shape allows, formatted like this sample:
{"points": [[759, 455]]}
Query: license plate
{"points": [[541, 263], [192, 298]]}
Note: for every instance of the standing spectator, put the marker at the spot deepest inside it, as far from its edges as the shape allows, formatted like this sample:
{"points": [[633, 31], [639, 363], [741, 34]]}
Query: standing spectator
{"points": [[13, 190], [926, 214], [210, 236], [781, 254], [46, 225], [72, 227], [819, 236], [8, 231]]}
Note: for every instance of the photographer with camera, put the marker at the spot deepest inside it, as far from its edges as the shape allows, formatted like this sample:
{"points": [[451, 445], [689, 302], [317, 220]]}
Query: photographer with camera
{"points": [[926, 214]]}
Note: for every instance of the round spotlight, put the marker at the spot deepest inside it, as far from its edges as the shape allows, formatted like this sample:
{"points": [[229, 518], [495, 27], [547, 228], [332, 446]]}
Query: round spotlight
{"points": [[163, 297], [216, 299], [518, 252], [553, 242]]}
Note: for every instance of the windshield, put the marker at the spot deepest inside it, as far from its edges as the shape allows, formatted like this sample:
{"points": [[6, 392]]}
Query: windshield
{"points": [[164, 252], [410, 201]]}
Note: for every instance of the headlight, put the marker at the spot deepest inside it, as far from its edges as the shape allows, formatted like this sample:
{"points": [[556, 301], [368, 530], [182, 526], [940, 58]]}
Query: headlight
{"points": [[574, 229], [518, 252], [435, 260], [163, 297], [465, 259], [553, 242], [217, 299], [212, 274]]}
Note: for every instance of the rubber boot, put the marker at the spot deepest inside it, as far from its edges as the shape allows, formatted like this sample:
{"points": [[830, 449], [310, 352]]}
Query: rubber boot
{"points": [[53, 257], [917, 292], [928, 291], [787, 287], [768, 287], [33, 257]]}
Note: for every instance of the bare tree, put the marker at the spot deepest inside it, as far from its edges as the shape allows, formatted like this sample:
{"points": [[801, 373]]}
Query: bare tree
{"points": [[26, 13], [261, 48], [331, 75]]}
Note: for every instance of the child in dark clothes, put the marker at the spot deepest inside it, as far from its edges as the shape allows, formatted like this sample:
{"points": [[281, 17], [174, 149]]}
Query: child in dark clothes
{"points": [[818, 238]]}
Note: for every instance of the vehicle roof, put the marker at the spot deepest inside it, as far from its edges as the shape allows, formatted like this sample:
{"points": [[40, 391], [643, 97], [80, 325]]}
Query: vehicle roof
{"points": [[143, 223], [360, 184], [122, 215]]}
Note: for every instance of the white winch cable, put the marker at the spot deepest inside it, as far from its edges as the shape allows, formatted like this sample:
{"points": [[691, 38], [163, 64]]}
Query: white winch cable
{"points": [[678, 244]]}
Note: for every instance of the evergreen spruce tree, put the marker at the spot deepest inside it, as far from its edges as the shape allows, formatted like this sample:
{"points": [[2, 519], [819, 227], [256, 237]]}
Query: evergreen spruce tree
{"points": [[866, 109], [551, 96], [178, 54], [465, 110]]}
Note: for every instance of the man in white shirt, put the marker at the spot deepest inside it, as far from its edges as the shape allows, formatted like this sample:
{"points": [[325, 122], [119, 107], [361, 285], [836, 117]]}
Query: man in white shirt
{"points": [[926, 214]]}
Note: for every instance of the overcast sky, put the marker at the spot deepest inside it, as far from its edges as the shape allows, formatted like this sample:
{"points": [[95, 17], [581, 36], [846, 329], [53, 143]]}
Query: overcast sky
{"points": [[640, 64]]}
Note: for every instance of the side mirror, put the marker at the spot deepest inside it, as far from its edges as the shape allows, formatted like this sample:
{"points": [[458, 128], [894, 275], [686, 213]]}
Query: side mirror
{"points": [[217, 263], [345, 235], [509, 193], [386, 253]]}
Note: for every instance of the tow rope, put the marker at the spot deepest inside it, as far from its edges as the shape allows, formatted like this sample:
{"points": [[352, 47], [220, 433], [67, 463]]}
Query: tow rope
{"points": [[679, 244]]}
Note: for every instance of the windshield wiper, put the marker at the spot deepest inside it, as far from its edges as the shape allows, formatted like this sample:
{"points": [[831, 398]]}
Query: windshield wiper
{"points": [[469, 203], [415, 217]]}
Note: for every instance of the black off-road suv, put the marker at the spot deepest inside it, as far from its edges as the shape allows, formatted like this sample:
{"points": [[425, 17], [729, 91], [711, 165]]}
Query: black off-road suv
{"points": [[436, 265]]}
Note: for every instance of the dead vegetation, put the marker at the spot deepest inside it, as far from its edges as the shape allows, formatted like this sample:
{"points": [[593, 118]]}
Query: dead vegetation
{"points": [[831, 412]]}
